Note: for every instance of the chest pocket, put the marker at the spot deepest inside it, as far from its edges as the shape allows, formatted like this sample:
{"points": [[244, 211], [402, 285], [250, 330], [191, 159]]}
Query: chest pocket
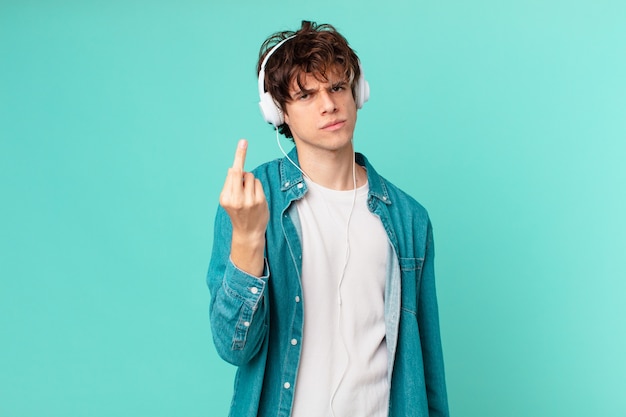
{"points": [[411, 271]]}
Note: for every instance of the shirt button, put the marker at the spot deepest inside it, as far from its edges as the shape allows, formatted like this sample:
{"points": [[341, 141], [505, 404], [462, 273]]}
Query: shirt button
{"points": [[246, 323], [287, 385], [287, 184], [254, 290], [300, 185], [294, 342], [297, 299]]}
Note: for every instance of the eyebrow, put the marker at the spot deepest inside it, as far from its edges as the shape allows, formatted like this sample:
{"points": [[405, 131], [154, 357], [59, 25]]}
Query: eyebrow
{"points": [[302, 91], [339, 83]]}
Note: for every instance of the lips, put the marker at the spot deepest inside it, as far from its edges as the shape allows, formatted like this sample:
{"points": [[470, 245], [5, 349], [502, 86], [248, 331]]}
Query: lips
{"points": [[334, 125]]}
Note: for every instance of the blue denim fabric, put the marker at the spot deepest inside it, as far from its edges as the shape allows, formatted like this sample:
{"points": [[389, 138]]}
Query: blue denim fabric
{"points": [[254, 320]]}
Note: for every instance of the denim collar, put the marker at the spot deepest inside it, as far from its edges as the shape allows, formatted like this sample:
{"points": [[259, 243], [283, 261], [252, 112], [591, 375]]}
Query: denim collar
{"points": [[377, 187], [290, 177]]}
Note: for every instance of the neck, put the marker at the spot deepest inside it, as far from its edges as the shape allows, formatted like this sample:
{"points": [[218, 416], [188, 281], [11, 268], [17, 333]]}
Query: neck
{"points": [[332, 169]]}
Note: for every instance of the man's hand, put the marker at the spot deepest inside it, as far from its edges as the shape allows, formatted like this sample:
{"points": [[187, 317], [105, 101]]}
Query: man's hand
{"points": [[244, 200]]}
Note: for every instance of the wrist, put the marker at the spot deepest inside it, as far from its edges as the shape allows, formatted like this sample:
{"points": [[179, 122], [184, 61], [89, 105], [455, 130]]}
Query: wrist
{"points": [[248, 253], [249, 241]]}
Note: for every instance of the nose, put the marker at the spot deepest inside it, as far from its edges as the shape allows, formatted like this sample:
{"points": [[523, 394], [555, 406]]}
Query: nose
{"points": [[327, 102]]}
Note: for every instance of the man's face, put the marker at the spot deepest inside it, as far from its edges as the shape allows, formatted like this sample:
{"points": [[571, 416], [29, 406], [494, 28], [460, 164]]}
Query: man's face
{"points": [[322, 115]]}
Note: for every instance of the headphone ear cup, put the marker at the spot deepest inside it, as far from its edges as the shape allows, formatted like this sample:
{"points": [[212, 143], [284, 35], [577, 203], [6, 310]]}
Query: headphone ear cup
{"points": [[270, 111], [362, 91]]}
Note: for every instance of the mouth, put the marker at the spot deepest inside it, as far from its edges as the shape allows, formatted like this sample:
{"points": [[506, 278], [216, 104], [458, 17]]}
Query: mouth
{"points": [[334, 125]]}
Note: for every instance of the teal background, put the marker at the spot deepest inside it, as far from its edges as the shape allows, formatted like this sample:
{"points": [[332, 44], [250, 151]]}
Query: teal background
{"points": [[118, 120]]}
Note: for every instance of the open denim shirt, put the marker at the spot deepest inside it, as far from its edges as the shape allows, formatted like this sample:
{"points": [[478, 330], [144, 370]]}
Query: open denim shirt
{"points": [[254, 320]]}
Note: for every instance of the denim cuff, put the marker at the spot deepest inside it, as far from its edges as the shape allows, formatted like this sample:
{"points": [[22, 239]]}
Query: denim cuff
{"points": [[245, 286]]}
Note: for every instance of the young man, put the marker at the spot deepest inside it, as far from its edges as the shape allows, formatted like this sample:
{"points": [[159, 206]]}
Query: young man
{"points": [[321, 277]]}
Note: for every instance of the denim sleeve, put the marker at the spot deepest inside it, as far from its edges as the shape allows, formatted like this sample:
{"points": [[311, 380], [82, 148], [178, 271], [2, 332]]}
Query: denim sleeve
{"points": [[238, 306], [428, 317]]}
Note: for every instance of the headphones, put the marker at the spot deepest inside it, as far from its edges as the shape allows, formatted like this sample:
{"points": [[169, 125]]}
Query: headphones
{"points": [[271, 111]]}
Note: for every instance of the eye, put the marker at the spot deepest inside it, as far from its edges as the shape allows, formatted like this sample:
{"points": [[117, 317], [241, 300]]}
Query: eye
{"points": [[338, 87], [303, 95]]}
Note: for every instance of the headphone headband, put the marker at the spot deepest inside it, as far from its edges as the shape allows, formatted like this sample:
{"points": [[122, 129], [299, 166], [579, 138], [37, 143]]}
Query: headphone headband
{"points": [[271, 111]]}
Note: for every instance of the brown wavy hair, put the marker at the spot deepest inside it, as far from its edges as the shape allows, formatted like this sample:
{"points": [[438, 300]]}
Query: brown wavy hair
{"points": [[315, 49]]}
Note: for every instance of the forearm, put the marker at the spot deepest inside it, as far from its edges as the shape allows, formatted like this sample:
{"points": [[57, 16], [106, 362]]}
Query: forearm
{"points": [[238, 300], [238, 314], [428, 317]]}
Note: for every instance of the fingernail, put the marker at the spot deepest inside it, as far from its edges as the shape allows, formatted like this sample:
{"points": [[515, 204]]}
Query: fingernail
{"points": [[242, 143]]}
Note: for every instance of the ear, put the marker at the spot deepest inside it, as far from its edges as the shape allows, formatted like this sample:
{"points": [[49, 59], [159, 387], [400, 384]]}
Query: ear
{"points": [[286, 116]]}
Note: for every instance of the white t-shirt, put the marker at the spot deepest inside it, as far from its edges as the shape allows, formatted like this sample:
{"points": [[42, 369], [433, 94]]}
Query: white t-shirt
{"points": [[343, 366]]}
